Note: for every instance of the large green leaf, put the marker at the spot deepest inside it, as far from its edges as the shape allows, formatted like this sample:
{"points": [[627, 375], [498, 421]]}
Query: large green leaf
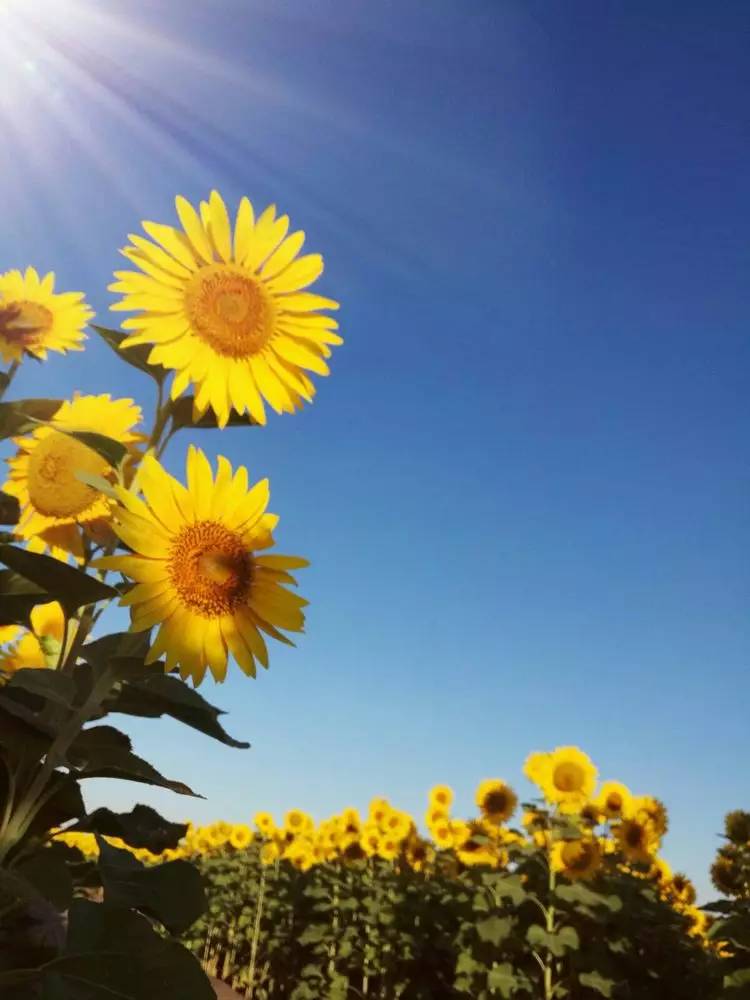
{"points": [[494, 929], [111, 451], [155, 694], [557, 942], [47, 872], [172, 892], [43, 685], [18, 596], [579, 893], [72, 588], [115, 954], [10, 509], [136, 356], [23, 415], [104, 752], [181, 411], [596, 982], [502, 979], [141, 827]]}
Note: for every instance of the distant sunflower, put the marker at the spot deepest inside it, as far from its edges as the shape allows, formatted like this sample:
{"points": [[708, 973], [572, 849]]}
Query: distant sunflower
{"points": [[35, 320], [637, 840], [265, 823], [567, 778], [647, 809], [240, 837], [441, 797], [197, 569], [226, 310], [497, 800], [55, 504], [614, 799], [576, 859], [41, 647], [378, 811]]}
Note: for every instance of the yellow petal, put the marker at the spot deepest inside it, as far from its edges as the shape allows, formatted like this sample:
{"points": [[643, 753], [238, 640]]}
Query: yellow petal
{"points": [[191, 223], [300, 273], [220, 227], [215, 649], [243, 230], [236, 645], [284, 255], [174, 242], [199, 482]]}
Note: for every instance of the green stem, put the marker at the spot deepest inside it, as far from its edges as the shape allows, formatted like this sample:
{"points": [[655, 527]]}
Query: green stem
{"points": [[256, 931], [9, 376], [549, 988], [34, 797]]}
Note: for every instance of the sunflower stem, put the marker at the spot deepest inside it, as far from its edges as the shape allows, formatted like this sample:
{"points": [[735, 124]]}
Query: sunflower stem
{"points": [[8, 377]]}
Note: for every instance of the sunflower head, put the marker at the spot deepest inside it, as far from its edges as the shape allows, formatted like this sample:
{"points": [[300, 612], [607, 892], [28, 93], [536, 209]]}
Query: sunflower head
{"points": [[726, 874], [681, 889], [614, 799], [647, 809], [34, 320], [576, 859], [41, 646], [637, 839], [567, 777], [441, 797], [44, 474], [199, 570], [225, 308], [737, 827], [419, 853], [298, 822], [378, 811], [496, 800]]}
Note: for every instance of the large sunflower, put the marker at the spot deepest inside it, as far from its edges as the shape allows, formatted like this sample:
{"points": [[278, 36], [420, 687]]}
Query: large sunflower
{"points": [[567, 777], [576, 859], [198, 573], [55, 504], [226, 310], [35, 320], [496, 800]]}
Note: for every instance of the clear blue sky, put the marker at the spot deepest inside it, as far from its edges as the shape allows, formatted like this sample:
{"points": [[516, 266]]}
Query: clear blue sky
{"points": [[524, 488]]}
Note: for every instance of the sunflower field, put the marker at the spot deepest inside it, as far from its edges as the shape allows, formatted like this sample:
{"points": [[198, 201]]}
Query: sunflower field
{"points": [[564, 896]]}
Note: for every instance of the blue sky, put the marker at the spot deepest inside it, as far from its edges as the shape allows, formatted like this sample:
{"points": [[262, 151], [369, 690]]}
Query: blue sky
{"points": [[524, 487]]}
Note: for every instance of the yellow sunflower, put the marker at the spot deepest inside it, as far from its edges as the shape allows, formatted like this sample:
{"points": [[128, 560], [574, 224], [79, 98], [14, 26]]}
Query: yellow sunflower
{"points": [[8, 633], [226, 309], [379, 810], [576, 859], [240, 837], [443, 835], [297, 822], [55, 504], [197, 571], [614, 799], [637, 839], [370, 839], [441, 797], [567, 777], [649, 810], [35, 320], [270, 852], [41, 647], [496, 800], [419, 853], [265, 823]]}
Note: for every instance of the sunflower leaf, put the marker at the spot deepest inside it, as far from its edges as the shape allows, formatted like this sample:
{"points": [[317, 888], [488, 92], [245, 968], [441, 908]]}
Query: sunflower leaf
{"points": [[137, 356], [23, 415], [72, 588], [110, 450], [141, 827], [19, 596], [10, 509], [181, 411]]}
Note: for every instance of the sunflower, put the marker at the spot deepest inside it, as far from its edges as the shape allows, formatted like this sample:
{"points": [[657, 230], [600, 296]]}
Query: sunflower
{"points": [[535, 766], [637, 840], [240, 837], [42, 646], [197, 571], [419, 853], [389, 847], [497, 800], [227, 311], [649, 810], [443, 835], [35, 320], [576, 859], [614, 799], [379, 810], [55, 504], [567, 777], [435, 814], [270, 852], [681, 890], [397, 824], [265, 823], [441, 797], [297, 822], [370, 839], [8, 633]]}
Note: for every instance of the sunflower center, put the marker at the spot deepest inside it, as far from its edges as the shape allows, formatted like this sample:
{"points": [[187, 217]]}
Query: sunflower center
{"points": [[230, 310], [24, 323], [614, 802], [210, 568], [634, 834], [568, 777], [576, 856], [54, 489], [496, 802]]}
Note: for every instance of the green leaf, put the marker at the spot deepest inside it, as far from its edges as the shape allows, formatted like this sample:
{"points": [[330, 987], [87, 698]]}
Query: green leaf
{"points": [[494, 929], [737, 979], [136, 356], [181, 411], [10, 509], [110, 450], [45, 685], [579, 893], [565, 939], [141, 827], [23, 415], [598, 983], [72, 588], [17, 598], [156, 694], [48, 874], [501, 979], [172, 892], [104, 752], [115, 954]]}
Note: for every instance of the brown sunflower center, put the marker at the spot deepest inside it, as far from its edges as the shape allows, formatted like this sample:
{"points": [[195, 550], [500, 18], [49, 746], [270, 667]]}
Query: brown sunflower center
{"points": [[577, 855], [54, 489], [210, 568], [24, 323], [496, 801], [635, 834], [614, 802], [230, 310], [569, 777]]}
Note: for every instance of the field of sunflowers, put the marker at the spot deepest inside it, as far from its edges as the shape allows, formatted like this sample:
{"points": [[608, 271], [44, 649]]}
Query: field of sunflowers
{"points": [[564, 896]]}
